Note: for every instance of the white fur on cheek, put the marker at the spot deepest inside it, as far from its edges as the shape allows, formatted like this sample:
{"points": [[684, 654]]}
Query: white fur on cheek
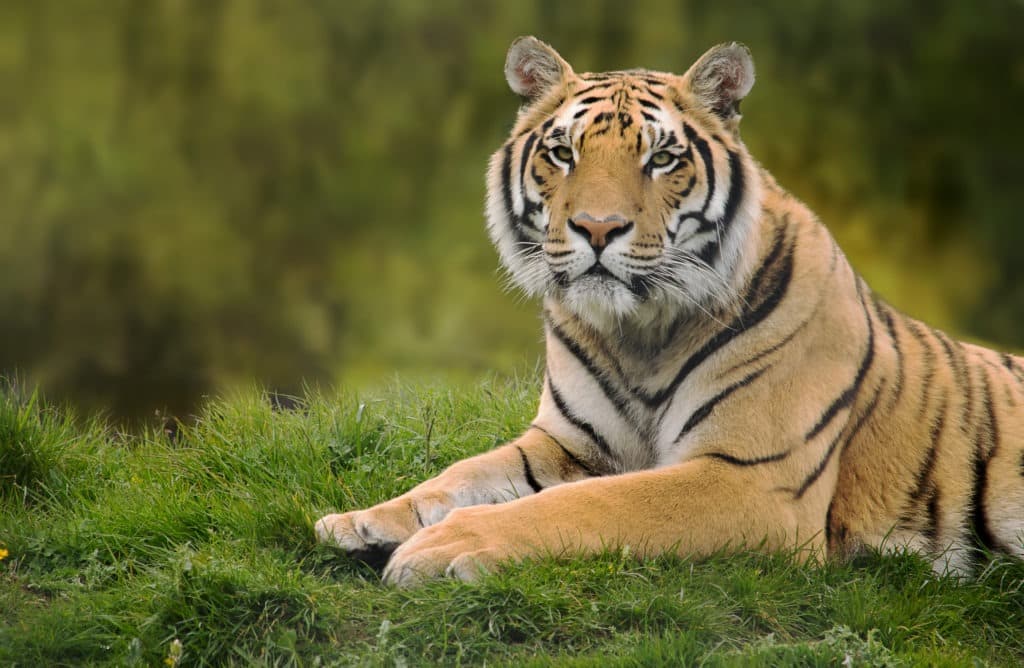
{"points": [[522, 257]]}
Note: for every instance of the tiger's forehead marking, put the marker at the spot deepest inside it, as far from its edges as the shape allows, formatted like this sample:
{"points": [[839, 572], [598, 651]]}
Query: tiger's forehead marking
{"points": [[631, 105]]}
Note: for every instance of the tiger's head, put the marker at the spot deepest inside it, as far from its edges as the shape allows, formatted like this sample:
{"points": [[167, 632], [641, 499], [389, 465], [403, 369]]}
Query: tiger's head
{"points": [[625, 195]]}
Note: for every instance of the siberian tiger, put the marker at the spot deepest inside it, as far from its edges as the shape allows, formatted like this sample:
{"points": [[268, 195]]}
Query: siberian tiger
{"points": [[717, 375]]}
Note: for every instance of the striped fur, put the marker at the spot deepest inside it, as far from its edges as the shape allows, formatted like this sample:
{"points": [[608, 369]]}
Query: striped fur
{"points": [[717, 375]]}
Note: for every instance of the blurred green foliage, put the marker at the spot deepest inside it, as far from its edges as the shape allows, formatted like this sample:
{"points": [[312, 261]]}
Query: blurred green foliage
{"points": [[199, 192]]}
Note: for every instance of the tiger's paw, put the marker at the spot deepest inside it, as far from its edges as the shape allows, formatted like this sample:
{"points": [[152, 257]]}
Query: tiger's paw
{"points": [[466, 545], [369, 535]]}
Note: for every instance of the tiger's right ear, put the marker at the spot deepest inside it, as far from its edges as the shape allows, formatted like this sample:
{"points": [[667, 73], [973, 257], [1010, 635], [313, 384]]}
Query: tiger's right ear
{"points": [[532, 68]]}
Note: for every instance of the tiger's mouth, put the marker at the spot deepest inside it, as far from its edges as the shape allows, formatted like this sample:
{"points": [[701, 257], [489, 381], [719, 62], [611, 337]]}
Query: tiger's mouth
{"points": [[598, 280], [598, 270], [595, 274]]}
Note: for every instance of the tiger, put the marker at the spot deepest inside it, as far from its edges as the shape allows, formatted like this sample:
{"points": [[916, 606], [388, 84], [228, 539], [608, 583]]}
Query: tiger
{"points": [[717, 376]]}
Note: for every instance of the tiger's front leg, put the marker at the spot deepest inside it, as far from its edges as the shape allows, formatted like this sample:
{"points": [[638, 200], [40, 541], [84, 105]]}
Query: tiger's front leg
{"points": [[518, 469], [694, 508]]}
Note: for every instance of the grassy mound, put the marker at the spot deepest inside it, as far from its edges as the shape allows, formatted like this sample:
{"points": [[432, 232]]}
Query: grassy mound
{"points": [[197, 548]]}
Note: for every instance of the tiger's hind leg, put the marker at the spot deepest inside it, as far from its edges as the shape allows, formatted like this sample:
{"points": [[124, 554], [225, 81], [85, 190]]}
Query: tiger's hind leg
{"points": [[1003, 499]]}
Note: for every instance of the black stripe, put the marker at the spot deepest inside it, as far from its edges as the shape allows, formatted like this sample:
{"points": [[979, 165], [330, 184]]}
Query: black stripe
{"points": [[530, 207], [625, 121], [931, 530], [577, 422], [845, 399], [609, 356], [569, 454], [778, 346], [947, 346], [416, 512], [592, 88], [780, 254], [775, 253], [886, 316], [679, 221], [737, 461], [705, 224], [611, 393], [991, 420], [961, 376], [709, 253], [546, 157], [540, 180], [737, 184], [705, 156], [828, 524], [527, 147], [506, 178], [506, 191], [985, 447], [1014, 367], [835, 529], [924, 474], [929, 364], [925, 489], [735, 196], [701, 413], [528, 472], [823, 464], [983, 537]]}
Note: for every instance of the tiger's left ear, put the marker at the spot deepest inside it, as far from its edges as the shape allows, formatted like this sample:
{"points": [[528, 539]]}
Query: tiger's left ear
{"points": [[721, 78]]}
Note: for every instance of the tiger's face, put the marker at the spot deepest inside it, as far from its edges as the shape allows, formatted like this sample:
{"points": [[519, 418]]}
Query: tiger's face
{"points": [[623, 194]]}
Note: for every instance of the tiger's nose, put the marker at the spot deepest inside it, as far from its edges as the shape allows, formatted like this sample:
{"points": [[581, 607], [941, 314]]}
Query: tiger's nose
{"points": [[599, 232]]}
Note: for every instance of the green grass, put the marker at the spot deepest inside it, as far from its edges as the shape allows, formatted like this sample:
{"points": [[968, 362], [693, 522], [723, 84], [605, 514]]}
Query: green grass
{"points": [[146, 549]]}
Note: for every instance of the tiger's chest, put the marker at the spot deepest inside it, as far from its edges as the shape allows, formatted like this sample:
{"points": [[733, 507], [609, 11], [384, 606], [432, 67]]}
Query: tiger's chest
{"points": [[645, 412]]}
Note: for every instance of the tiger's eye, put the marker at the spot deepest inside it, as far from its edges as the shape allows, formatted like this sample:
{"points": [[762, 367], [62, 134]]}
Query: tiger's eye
{"points": [[661, 159], [563, 153]]}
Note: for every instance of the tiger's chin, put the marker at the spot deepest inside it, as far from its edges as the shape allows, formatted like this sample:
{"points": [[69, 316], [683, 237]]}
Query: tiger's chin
{"points": [[610, 305], [597, 300]]}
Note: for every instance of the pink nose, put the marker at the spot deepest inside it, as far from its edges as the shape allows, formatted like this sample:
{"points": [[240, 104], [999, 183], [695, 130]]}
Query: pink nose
{"points": [[599, 232]]}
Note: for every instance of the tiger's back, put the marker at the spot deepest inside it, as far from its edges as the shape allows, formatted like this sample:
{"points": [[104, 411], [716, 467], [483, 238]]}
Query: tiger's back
{"points": [[717, 374]]}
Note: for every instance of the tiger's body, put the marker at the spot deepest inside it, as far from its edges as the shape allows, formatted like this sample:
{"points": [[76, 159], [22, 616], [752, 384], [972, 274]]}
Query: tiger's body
{"points": [[717, 375]]}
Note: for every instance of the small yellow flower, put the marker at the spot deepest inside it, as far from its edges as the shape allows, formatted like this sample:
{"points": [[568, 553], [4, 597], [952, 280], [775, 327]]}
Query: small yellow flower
{"points": [[3, 554], [173, 653]]}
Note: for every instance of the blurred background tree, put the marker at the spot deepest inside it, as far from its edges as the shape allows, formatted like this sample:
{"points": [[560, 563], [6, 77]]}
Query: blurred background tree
{"points": [[196, 193]]}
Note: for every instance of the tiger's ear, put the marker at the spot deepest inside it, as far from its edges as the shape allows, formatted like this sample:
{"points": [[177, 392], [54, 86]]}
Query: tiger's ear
{"points": [[532, 68], [721, 78]]}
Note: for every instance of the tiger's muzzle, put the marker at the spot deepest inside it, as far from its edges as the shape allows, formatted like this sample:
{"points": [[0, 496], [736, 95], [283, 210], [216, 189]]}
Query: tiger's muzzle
{"points": [[599, 232]]}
